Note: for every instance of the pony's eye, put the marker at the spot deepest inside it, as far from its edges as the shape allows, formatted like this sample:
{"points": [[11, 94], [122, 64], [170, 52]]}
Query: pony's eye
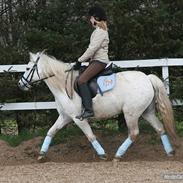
{"points": [[27, 68]]}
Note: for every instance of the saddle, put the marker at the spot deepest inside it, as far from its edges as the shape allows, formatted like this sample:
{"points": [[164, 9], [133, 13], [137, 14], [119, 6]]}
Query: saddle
{"points": [[101, 83]]}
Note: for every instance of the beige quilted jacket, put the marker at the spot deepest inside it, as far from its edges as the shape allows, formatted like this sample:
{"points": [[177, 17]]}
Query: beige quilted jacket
{"points": [[98, 47]]}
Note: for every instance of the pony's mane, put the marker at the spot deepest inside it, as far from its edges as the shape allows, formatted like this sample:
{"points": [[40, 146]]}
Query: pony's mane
{"points": [[52, 66]]}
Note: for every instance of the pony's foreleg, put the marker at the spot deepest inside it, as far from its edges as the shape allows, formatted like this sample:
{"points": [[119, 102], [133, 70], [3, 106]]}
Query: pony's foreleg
{"points": [[85, 127], [133, 132], [60, 123]]}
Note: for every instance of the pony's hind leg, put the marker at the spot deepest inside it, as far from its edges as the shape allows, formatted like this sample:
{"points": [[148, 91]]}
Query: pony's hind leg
{"points": [[151, 117], [132, 124], [60, 123]]}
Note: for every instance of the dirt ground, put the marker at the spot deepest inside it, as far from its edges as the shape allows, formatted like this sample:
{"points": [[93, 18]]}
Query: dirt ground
{"points": [[75, 161]]}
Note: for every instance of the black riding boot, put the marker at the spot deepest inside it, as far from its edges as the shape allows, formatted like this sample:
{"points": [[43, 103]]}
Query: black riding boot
{"points": [[86, 101]]}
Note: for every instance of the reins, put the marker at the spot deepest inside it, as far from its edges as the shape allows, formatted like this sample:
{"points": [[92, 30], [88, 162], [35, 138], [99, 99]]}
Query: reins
{"points": [[43, 79], [69, 71]]}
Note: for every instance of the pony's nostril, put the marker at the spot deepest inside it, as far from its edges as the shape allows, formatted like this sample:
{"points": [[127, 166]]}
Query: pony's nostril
{"points": [[19, 85]]}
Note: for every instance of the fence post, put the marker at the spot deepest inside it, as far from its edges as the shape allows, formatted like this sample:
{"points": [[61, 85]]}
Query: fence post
{"points": [[165, 75]]}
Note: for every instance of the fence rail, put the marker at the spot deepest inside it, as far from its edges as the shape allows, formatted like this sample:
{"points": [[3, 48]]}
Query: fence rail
{"points": [[163, 63]]}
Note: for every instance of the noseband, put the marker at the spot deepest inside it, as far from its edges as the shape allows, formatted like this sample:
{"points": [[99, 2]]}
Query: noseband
{"points": [[27, 81]]}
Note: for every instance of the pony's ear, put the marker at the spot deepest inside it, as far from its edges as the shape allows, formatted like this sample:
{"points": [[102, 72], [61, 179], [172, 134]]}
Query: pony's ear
{"points": [[32, 56]]}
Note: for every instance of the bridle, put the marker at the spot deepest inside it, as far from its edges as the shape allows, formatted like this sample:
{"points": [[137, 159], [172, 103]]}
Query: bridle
{"points": [[27, 81]]}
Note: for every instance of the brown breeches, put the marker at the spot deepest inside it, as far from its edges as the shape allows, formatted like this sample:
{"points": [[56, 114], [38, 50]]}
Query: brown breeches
{"points": [[92, 70]]}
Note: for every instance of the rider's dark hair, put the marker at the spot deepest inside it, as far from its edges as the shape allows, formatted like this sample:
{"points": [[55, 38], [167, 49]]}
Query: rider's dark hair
{"points": [[98, 13]]}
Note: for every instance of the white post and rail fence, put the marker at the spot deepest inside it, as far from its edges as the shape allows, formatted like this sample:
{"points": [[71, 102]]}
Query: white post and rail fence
{"points": [[163, 63]]}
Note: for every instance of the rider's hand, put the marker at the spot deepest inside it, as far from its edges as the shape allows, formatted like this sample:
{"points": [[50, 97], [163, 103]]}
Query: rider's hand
{"points": [[77, 65]]}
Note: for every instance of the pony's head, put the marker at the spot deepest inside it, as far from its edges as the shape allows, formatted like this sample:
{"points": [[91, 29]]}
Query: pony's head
{"points": [[32, 73]]}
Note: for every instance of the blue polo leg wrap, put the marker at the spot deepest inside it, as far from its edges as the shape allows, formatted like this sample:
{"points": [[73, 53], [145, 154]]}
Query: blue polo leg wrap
{"points": [[46, 144], [98, 147], [123, 148], [166, 143]]}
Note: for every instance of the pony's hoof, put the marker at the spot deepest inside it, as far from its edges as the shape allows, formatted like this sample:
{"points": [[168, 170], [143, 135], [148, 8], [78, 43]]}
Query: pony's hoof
{"points": [[116, 159], [103, 157], [42, 157], [171, 154]]}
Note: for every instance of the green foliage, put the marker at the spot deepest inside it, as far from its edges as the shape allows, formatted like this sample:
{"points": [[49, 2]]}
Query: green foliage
{"points": [[176, 84], [144, 29], [180, 128]]}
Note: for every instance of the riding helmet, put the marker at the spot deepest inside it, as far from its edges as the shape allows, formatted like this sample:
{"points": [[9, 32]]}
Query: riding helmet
{"points": [[98, 13]]}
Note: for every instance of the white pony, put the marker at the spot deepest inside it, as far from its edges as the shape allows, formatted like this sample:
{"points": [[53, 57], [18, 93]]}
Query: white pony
{"points": [[135, 94]]}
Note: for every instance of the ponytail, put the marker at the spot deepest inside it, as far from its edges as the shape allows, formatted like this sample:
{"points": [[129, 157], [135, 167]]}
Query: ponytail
{"points": [[102, 25]]}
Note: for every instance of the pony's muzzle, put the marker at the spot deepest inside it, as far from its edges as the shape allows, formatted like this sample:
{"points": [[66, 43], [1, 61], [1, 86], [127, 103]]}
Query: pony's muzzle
{"points": [[23, 87]]}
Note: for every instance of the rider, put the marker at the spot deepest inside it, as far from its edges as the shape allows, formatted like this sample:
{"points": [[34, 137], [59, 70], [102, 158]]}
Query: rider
{"points": [[97, 54]]}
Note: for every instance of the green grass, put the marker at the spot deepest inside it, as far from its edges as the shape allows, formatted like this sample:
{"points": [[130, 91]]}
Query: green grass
{"points": [[15, 140], [179, 127], [66, 134], [109, 127], [63, 135], [145, 127]]}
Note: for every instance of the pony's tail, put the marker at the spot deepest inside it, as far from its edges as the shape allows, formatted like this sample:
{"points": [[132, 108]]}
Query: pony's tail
{"points": [[165, 108]]}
